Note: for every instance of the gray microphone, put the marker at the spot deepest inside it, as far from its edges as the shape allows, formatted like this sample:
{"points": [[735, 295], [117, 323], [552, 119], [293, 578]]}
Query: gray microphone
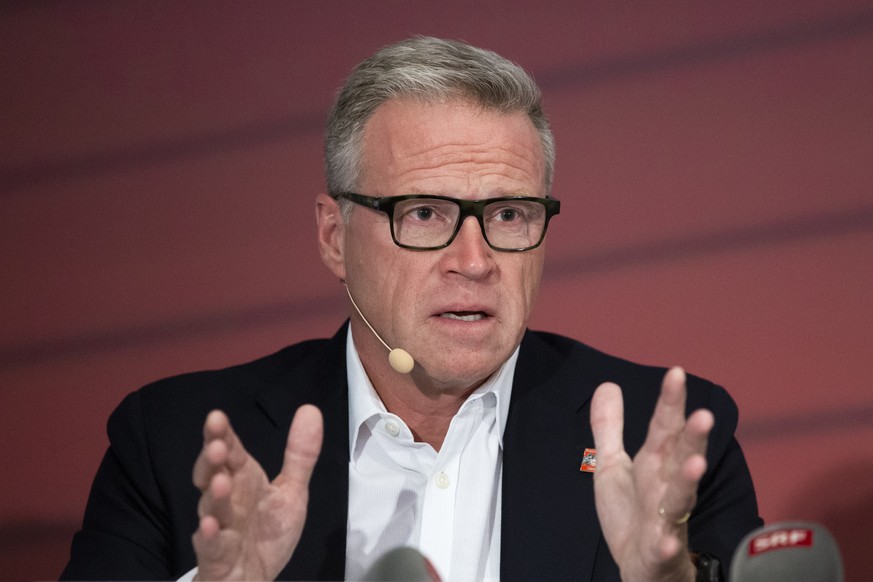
{"points": [[402, 564], [788, 551]]}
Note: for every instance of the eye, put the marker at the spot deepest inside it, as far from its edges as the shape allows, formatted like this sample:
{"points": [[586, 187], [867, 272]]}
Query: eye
{"points": [[509, 213], [423, 213]]}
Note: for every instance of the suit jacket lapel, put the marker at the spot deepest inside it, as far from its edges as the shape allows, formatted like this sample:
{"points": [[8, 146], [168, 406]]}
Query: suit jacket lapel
{"points": [[549, 527], [320, 379], [549, 524]]}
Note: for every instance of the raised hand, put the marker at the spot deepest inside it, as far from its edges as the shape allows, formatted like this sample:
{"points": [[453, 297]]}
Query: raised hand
{"points": [[250, 526], [643, 504]]}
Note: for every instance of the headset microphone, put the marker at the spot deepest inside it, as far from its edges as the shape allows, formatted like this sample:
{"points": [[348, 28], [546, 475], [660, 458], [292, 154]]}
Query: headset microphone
{"points": [[398, 358]]}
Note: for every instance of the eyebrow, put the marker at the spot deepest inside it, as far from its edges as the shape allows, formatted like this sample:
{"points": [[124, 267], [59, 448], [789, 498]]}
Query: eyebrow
{"points": [[499, 193]]}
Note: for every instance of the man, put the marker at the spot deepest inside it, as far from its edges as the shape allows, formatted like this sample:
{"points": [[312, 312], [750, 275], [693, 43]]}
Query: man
{"points": [[439, 168]]}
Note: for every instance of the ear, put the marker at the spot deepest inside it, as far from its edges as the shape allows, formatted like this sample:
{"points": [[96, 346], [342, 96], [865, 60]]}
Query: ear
{"points": [[331, 233]]}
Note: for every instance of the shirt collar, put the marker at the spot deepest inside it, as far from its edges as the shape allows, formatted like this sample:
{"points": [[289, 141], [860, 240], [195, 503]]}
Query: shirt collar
{"points": [[364, 402]]}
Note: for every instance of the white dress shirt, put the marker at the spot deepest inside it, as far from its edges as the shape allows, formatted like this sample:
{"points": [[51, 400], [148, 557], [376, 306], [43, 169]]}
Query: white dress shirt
{"points": [[404, 493], [446, 504]]}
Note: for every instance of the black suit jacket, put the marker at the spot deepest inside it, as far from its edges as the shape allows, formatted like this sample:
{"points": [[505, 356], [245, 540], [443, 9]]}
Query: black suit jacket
{"points": [[143, 508]]}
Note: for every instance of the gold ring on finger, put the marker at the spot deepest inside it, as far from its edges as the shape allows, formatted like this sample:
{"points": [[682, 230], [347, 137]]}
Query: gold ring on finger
{"points": [[662, 511]]}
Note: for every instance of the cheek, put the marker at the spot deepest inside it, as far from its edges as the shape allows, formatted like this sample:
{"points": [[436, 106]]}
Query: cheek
{"points": [[406, 277], [530, 272], [390, 275], [366, 254], [528, 286]]}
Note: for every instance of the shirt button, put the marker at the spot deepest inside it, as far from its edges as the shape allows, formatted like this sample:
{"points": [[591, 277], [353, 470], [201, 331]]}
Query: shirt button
{"points": [[392, 428], [442, 480]]}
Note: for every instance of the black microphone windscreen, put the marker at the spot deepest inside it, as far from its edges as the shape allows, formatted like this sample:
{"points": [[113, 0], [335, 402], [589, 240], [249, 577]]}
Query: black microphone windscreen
{"points": [[401, 564], [788, 551]]}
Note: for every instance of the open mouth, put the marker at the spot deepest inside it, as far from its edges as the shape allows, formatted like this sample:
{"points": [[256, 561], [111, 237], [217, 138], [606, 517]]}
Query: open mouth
{"points": [[464, 315]]}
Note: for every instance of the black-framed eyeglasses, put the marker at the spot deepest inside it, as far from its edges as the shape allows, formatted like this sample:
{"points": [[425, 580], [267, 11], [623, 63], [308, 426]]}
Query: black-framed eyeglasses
{"points": [[425, 222]]}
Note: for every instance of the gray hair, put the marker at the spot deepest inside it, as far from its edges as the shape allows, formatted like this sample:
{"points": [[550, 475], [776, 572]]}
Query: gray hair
{"points": [[432, 70]]}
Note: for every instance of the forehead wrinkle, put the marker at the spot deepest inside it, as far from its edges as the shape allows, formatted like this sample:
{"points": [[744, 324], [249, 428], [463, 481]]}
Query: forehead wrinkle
{"points": [[470, 165], [412, 164], [460, 153]]}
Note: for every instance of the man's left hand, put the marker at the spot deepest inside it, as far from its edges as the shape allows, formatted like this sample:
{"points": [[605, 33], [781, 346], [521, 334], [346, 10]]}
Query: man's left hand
{"points": [[644, 503]]}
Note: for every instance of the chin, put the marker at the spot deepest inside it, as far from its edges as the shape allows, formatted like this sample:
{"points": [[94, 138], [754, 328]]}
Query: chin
{"points": [[466, 369]]}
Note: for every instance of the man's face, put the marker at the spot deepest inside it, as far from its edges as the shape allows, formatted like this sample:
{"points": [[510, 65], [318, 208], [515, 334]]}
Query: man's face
{"points": [[460, 311]]}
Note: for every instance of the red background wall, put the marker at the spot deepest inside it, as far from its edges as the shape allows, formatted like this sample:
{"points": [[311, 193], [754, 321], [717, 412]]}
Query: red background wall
{"points": [[158, 163]]}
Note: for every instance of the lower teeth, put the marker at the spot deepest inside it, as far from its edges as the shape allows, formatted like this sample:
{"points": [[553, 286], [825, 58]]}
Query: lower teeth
{"points": [[471, 317]]}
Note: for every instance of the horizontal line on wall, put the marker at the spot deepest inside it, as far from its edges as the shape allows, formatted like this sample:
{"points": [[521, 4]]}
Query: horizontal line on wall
{"points": [[735, 239], [161, 152], [776, 427], [728, 240], [312, 123], [215, 324], [23, 533], [709, 51]]}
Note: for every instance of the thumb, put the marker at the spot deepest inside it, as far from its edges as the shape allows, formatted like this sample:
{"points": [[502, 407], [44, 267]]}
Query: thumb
{"points": [[303, 446], [607, 421]]}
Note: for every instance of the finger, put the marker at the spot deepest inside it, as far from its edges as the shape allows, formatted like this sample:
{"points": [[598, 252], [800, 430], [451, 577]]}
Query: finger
{"points": [[216, 499], [668, 419], [691, 444], [303, 446], [214, 452], [669, 546], [691, 441], [206, 543], [219, 425], [219, 500], [216, 425], [690, 460], [215, 549], [680, 494], [695, 435], [222, 450], [607, 421]]}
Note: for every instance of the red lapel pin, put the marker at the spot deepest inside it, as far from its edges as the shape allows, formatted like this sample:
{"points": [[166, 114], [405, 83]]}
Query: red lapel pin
{"points": [[589, 461]]}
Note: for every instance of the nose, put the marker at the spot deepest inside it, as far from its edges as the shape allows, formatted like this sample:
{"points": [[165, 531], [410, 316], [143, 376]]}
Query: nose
{"points": [[469, 254]]}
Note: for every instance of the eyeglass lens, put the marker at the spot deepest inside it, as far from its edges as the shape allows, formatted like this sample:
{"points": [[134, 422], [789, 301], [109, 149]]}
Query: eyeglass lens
{"points": [[509, 224]]}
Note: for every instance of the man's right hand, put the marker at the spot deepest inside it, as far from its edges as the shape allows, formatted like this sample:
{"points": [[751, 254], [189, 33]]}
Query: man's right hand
{"points": [[249, 526]]}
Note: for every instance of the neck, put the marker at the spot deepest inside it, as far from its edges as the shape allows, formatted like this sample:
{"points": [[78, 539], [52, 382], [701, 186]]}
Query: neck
{"points": [[428, 416], [425, 405]]}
